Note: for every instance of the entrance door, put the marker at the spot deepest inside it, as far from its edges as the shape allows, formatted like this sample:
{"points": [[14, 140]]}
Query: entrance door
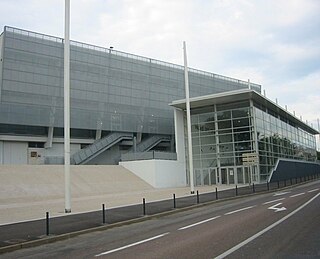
{"points": [[213, 176], [240, 175], [205, 176], [231, 175], [198, 173], [224, 175]]}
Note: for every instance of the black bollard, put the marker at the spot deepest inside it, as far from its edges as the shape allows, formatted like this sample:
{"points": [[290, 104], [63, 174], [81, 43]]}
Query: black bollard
{"points": [[103, 214], [268, 187], [253, 189], [216, 193], [236, 190], [198, 197], [144, 206], [278, 184], [47, 224], [174, 200]]}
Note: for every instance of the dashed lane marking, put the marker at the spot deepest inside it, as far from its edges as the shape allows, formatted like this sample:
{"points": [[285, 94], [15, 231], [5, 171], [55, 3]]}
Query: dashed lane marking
{"points": [[133, 244], [297, 194], [280, 193], [198, 223], [273, 201], [314, 190], [235, 211]]}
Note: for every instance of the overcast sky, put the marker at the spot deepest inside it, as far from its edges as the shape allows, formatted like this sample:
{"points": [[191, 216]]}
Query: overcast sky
{"points": [[275, 43]]}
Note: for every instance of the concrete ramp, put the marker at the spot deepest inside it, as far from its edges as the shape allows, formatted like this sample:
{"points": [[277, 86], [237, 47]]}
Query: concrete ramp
{"points": [[39, 182]]}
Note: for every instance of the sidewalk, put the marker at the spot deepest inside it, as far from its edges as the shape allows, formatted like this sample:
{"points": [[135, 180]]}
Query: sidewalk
{"points": [[25, 209], [27, 192]]}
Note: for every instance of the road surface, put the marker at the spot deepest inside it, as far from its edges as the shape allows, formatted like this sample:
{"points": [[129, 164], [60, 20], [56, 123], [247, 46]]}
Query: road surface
{"points": [[282, 224]]}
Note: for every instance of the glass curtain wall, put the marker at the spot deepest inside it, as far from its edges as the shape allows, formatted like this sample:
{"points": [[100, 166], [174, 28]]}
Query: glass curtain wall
{"points": [[220, 135], [278, 137]]}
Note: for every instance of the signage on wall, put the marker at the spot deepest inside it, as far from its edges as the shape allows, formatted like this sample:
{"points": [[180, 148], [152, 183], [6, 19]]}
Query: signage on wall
{"points": [[250, 159]]}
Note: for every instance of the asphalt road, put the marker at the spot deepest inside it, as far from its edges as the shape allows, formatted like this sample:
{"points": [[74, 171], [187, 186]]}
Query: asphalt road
{"points": [[283, 224]]}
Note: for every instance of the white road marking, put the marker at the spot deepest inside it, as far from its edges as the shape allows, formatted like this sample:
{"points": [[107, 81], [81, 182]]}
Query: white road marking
{"points": [[280, 193], [297, 195], [273, 201], [198, 223], [277, 209], [133, 244], [235, 211], [314, 190], [235, 248]]}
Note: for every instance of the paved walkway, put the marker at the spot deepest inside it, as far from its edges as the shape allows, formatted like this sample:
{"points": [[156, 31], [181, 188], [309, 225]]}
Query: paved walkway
{"points": [[28, 192]]}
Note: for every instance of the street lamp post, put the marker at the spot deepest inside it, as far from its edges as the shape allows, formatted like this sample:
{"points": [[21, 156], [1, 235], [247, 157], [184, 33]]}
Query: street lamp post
{"points": [[67, 107], [186, 82]]}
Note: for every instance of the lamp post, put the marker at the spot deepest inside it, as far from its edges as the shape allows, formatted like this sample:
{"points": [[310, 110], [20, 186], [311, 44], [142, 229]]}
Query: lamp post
{"points": [[186, 82], [67, 107]]}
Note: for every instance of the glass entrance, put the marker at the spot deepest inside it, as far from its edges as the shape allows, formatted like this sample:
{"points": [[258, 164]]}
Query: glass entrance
{"points": [[206, 176], [224, 176], [230, 175], [214, 177]]}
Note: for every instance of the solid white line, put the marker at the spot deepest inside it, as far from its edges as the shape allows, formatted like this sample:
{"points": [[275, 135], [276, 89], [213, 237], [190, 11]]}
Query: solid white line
{"points": [[314, 190], [198, 223], [235, 248], [273, 201], [133, 244], [235, 211], [297, 194]]}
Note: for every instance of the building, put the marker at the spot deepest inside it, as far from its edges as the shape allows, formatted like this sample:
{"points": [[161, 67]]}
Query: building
{"points": [[119, 101], [119, 112], [240, 136]]}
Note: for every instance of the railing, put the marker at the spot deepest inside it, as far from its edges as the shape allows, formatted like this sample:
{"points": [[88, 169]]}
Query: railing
{"points": [[148, 156], [98, 147]]}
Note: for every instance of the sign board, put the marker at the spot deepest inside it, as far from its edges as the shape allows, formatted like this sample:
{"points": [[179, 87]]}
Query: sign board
{"points": [[250, 158]]}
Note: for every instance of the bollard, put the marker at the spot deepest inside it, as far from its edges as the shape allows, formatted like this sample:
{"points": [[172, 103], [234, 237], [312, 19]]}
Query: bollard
{"points": [[253, 189], [174, 200], [144, 206], [268, 187], [198, 197], [47, 224], [216, 193], [236, 190], [103, 214], [278, 185]]}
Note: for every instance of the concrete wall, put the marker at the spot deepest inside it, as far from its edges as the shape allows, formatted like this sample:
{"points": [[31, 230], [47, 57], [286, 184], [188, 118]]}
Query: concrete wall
{"points": [[158, 173], [13, 153]]}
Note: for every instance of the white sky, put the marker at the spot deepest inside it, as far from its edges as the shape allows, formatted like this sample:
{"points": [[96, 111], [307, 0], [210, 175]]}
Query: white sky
{"points": [[275, 43]]}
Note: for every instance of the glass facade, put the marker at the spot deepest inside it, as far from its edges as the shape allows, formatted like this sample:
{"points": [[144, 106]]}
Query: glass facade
{"points": [[223, 134], [279, 137], [110, 90]]}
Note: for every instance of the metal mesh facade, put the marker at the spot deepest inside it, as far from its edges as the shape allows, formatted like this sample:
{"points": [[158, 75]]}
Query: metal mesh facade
{"points": [[110, 90]]}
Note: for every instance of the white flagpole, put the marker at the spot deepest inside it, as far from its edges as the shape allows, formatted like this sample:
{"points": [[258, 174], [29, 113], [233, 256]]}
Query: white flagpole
{"points": [[186, 81], [67, 107]]}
